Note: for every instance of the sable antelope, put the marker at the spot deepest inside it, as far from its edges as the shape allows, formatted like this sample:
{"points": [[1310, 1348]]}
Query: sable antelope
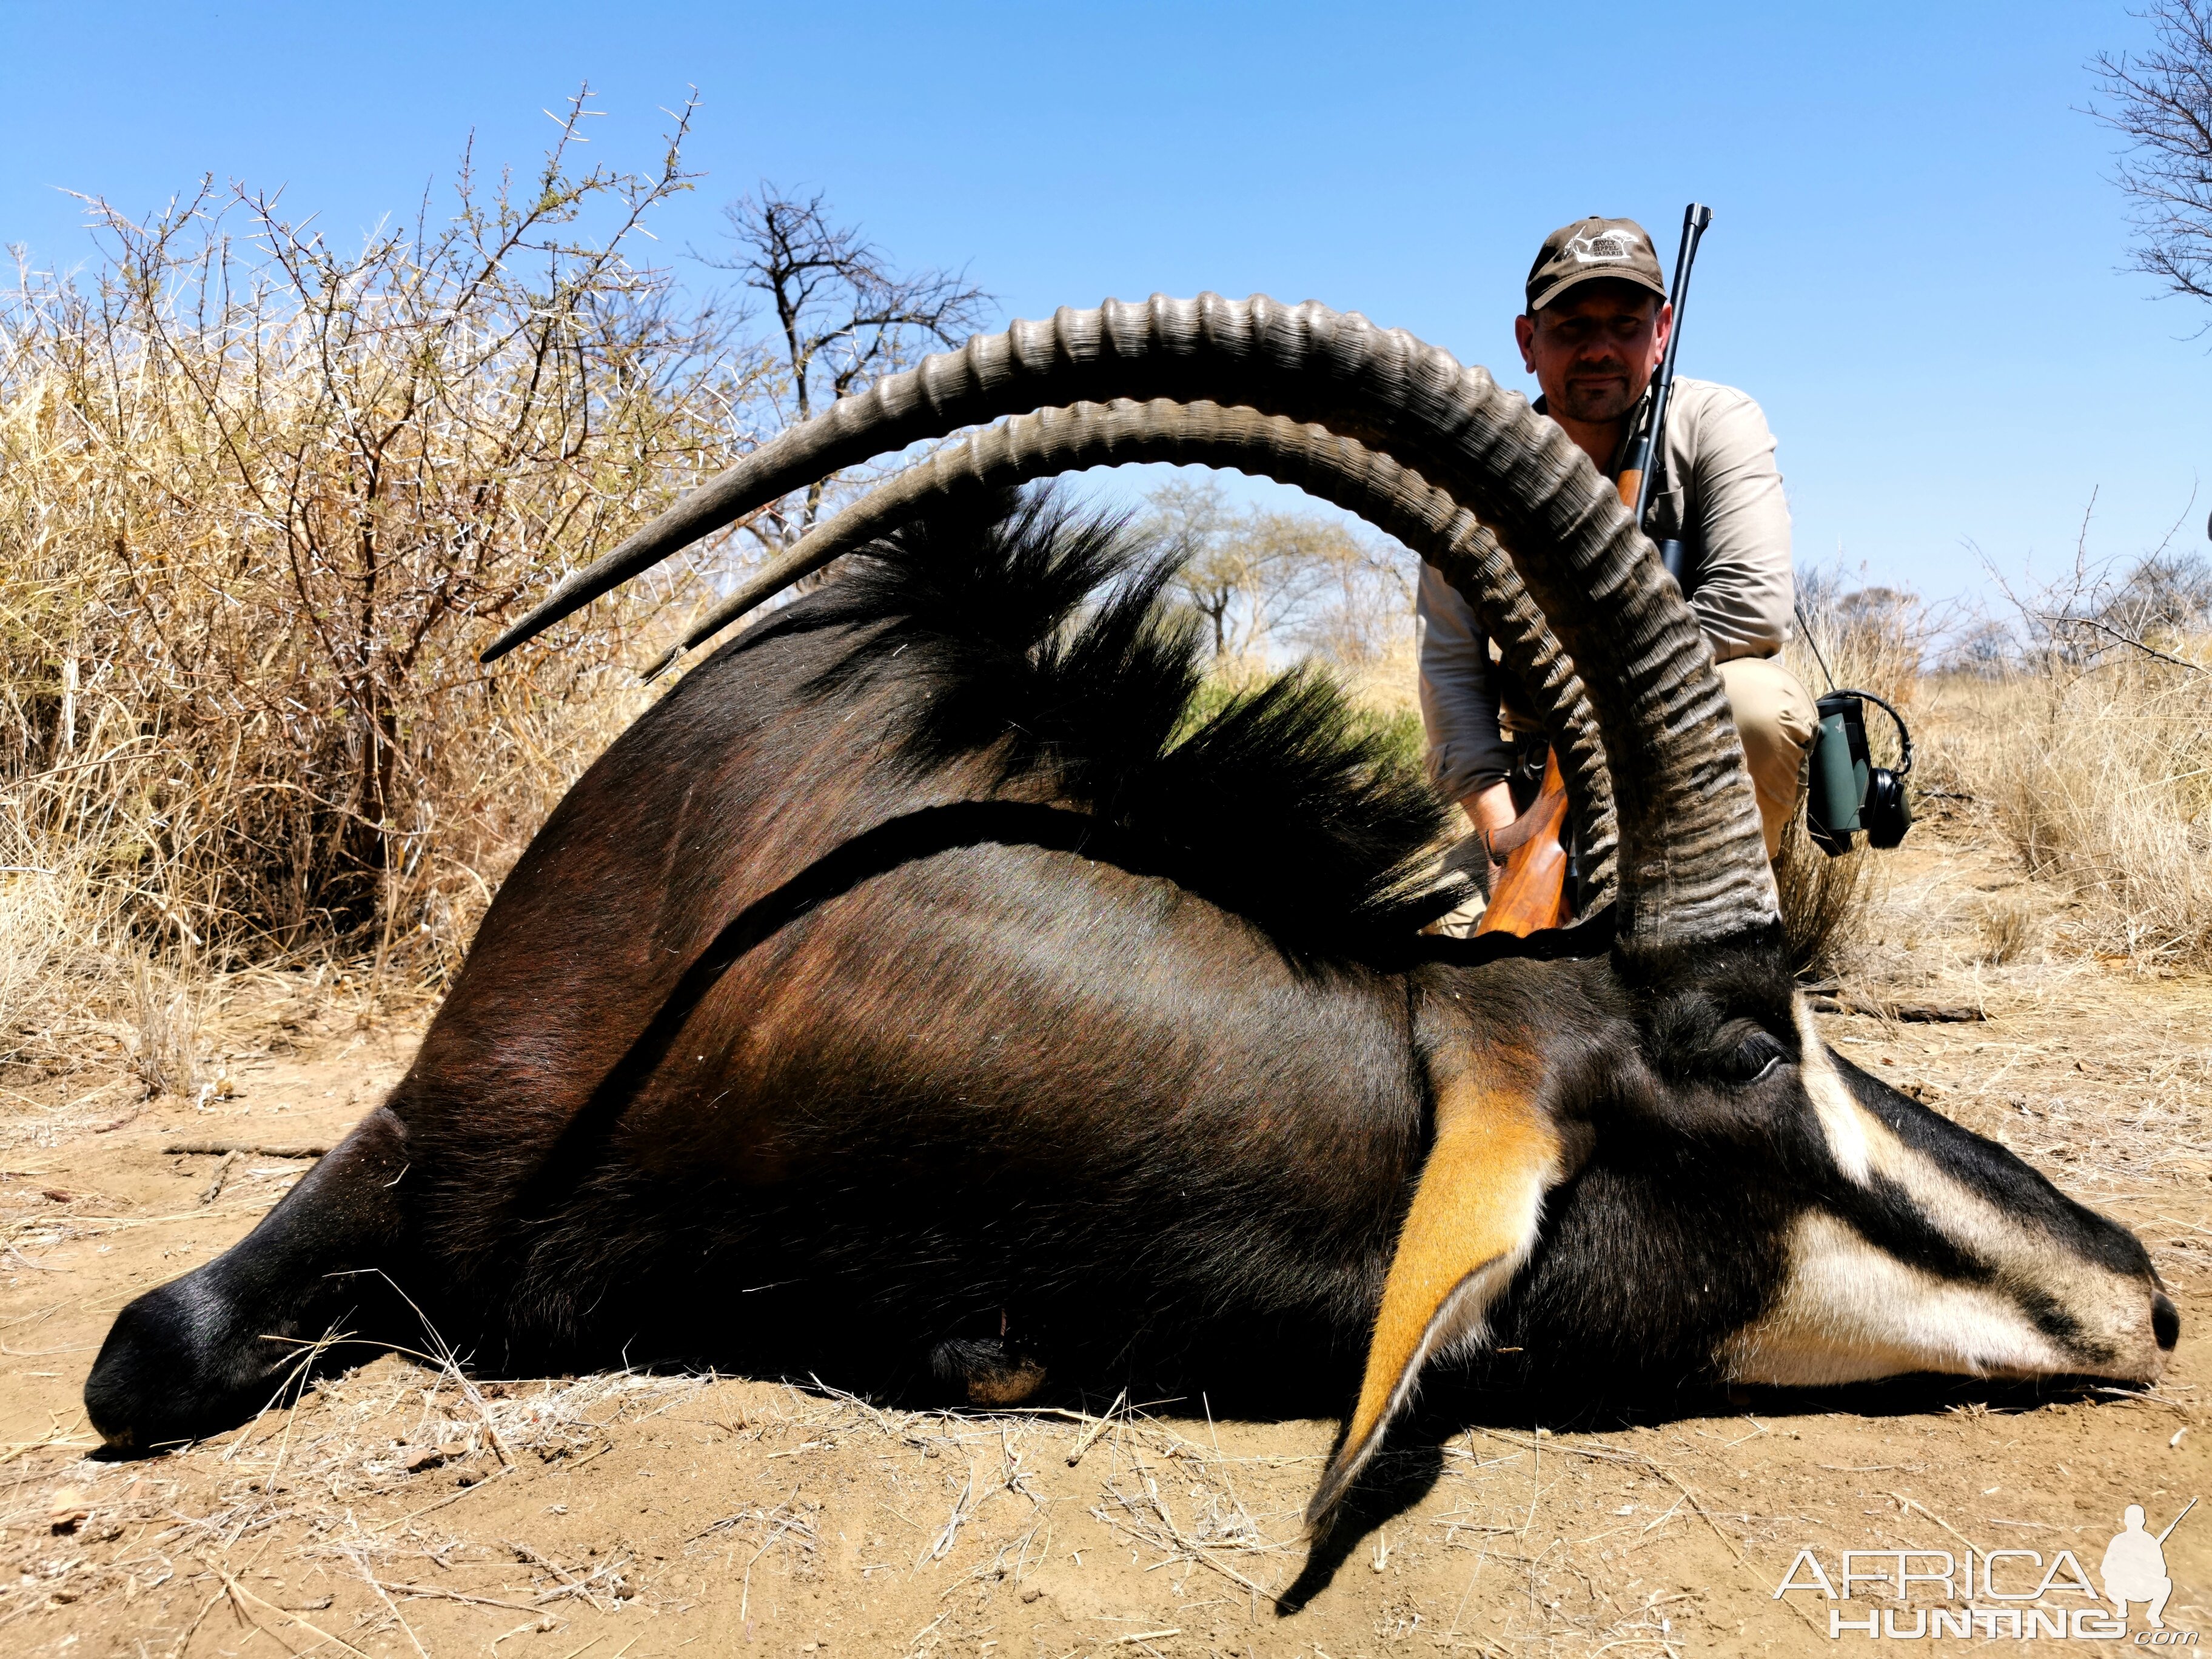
{"points": [[920, 981]]}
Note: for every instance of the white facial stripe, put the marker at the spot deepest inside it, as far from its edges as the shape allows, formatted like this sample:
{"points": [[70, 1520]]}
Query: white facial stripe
{"points": [[1851, 1312], [1865, 1146], [1849, 1128]]}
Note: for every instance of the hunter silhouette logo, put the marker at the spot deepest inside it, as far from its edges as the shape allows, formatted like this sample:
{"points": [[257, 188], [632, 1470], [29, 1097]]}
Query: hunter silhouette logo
{"points": [[2020, 1593], [1606, 247], [2134, 1568]]}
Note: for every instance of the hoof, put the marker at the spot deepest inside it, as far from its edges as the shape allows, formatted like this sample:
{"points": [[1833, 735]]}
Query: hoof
{"points": [[1006, 1387], [990, 1372], [172, 1369]]}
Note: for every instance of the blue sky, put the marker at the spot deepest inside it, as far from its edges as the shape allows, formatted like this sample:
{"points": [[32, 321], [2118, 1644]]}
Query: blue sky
{"points": [[1915, 264]]}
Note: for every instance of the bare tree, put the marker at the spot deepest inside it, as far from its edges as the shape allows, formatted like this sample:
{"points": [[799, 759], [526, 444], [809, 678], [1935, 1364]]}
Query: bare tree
{"points": [[263, 499], [1192, 520], [2160, 101], [845, 313], [2103, 612], [1363, 609], [1260, 577]]}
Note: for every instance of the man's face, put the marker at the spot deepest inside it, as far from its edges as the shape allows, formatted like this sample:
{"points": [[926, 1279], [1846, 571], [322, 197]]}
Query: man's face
{"points": [[1594, 350]]}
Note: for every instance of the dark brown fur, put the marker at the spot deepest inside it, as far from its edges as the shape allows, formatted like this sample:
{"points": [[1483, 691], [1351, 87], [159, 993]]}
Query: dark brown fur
{"points": [[901, 986]]}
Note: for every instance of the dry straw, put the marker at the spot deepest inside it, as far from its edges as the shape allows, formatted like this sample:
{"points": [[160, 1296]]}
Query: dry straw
{"points": [[261, 503], [2092, 753]]}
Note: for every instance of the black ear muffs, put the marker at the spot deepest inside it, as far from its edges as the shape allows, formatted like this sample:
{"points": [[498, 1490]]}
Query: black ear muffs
{"points": [[1848, 792], [1887, 813]]}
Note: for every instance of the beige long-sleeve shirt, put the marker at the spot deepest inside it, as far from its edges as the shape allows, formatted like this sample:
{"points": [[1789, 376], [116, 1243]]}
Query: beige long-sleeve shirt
{"points": [[1722, 495]]}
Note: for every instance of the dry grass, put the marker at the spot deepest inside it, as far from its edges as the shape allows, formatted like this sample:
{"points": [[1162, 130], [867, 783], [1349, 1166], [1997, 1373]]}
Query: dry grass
{"points": [[291, 1490], [2085, 744], [1870, 640], [311, 1489], [2009, 929], [261, 505], [339, 1522], [2099, 779], [1824, 900]]}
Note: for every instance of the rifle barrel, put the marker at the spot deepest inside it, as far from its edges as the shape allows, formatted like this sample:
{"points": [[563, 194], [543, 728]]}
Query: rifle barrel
{"points": [[2176, 1521], [1695, 218]]}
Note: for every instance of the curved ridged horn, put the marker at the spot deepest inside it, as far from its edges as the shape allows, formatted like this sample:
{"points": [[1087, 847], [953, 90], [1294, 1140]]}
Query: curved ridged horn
{"points": [[1693, 861], [1337, 469]]}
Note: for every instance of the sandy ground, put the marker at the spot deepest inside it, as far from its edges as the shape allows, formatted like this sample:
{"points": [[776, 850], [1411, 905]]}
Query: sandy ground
{"points": [[406, 1510]]}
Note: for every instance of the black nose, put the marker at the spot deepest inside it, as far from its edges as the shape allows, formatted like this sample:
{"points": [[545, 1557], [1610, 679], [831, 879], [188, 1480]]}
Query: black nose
{"points": [[177, 1365], [2165, 1322]]}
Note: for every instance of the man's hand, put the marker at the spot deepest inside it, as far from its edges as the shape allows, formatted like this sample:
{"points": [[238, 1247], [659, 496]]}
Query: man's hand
{"points": [[1489, 809]]}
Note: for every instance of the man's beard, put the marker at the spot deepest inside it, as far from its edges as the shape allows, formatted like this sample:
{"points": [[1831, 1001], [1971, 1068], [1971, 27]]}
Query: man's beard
{"points": [[1596, 401]]}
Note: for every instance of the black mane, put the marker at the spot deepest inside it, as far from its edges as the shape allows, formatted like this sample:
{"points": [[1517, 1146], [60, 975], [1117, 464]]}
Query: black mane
{"points": [[1017, 629]]}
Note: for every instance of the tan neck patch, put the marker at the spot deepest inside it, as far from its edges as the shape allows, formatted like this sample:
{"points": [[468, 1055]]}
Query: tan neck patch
{"points": [[1472, 1225]]}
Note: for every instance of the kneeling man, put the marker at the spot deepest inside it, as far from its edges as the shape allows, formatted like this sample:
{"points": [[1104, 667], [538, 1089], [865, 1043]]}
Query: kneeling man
{"points": [[1593, 329]]}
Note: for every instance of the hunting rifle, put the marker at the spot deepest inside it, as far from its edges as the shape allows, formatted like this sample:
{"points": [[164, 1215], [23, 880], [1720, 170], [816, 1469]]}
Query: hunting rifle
{"points": [[1531, 891]]}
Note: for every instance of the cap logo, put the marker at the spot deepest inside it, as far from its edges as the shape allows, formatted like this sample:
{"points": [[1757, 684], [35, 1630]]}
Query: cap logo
{"points": [[1605, 247]]}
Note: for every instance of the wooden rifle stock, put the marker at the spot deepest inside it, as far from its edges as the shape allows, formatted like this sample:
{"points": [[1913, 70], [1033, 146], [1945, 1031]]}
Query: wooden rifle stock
{"points": [[1531, 891]]}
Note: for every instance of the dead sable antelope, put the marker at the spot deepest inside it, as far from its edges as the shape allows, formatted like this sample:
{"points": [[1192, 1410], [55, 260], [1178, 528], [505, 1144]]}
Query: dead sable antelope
{"points": [[922, 982]]}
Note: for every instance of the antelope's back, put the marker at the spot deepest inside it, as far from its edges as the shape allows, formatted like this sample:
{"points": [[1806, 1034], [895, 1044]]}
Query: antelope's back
{"points": [[776, 1018]]}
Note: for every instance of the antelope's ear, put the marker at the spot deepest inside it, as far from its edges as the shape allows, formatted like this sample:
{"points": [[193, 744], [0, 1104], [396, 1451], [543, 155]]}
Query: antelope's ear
{"points": [[1471, 1223]]}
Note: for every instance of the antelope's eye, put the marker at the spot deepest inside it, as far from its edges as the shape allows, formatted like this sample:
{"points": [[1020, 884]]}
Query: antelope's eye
{"points": [[1752, 1060]]}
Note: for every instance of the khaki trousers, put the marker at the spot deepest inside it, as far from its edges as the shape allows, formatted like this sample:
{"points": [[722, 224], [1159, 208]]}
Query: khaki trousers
{"points": [[1774, 716]]}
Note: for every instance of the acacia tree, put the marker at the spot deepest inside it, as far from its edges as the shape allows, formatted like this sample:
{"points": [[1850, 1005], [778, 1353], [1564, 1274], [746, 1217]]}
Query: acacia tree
{"points": [[1260, 577], [844, 314], [2160, 101]]}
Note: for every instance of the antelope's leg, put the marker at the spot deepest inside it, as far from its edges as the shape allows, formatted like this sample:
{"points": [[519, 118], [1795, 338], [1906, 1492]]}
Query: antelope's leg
{"points": [[207, 1350], [1473, 1223]]}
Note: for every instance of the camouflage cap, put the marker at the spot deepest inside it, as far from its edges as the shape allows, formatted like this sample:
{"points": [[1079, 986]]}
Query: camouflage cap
{"points": [[1615, 249]]}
